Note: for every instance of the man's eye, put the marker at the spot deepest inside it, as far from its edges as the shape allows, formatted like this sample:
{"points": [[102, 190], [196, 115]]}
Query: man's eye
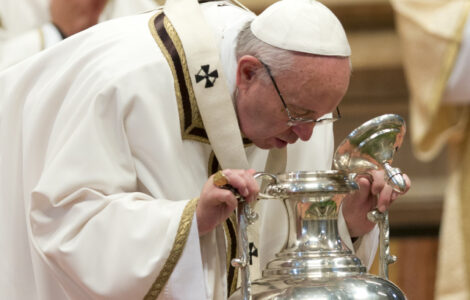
{"points": [[304, 114]]}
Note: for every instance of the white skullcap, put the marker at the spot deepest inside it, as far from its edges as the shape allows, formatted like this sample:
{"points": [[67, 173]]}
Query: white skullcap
{"points": [[302, 25]]}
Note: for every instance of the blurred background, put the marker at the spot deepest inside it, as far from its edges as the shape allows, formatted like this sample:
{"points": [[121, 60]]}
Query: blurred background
{"points": [[377, 87]]}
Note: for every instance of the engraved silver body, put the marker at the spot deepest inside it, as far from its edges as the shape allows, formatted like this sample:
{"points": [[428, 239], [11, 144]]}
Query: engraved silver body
{"points": [[314, 263]]}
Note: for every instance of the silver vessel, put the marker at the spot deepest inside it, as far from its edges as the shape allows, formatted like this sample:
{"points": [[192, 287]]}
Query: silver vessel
{"points": [[315, 263]]}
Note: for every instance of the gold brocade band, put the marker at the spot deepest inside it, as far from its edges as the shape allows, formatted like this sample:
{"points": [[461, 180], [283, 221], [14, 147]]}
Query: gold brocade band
{"points": [[230, 231], [165, 35], [191, 124], [176, 251]]}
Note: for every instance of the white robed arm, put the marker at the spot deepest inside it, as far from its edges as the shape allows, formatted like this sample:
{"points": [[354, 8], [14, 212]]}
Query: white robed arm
{"points": [[90, 223]]}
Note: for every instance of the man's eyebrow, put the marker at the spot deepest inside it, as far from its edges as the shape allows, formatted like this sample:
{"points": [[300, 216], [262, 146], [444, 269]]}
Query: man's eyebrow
{"points": [[301, 108]]}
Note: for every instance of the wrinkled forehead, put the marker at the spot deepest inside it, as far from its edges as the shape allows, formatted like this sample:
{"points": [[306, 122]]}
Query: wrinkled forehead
{"points": [[318, 83], [313, 71]]}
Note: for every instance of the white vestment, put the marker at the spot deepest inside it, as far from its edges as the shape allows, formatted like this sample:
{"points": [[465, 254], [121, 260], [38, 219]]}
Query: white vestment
{"points": [[26, 29], [97, 175]]}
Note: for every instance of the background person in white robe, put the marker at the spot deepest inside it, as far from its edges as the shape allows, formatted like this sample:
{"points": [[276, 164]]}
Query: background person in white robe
{"points": [[435, 40], [104, 165], [29, 26]]}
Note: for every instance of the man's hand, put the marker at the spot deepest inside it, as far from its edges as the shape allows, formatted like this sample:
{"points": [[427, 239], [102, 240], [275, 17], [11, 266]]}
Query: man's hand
{"points": [[215, 204], [373, 193], [72, 16]]}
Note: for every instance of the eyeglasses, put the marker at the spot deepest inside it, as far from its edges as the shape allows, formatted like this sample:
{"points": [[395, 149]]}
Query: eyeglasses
{"points": [[293, 121]]}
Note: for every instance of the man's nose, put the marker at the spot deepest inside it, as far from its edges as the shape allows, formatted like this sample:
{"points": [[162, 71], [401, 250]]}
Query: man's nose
{"points": [[303, 131]]}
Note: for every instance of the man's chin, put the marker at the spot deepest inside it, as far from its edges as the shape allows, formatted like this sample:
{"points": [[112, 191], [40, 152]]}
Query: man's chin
{"points": [[279, 143], [270, 144]]}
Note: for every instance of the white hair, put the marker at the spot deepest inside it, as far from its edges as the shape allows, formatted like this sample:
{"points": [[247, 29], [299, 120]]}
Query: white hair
{"points": [[277, 59]]}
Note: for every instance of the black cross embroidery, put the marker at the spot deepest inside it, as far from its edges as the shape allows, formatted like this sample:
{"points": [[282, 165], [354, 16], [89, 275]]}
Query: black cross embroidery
{"points": [[253, 251], [210, 78]]}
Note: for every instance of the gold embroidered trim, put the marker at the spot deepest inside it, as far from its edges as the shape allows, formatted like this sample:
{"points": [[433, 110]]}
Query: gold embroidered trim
{"points": [[230, 232], [191, 124], [176, 251]]}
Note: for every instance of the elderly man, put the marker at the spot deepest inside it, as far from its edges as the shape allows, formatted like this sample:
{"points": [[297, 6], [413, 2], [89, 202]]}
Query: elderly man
{"points": [[107, 141]]}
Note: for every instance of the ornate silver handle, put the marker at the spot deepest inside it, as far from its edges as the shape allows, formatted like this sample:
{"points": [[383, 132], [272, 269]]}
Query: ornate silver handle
{"points": [[384, 240], [246, 216]]}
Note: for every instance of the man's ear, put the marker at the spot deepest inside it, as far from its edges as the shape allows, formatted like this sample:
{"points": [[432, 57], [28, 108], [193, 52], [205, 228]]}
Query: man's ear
{"points": [[247, 68]]}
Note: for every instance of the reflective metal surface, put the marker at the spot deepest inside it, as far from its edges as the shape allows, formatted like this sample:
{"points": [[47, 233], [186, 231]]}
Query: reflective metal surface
{"points": [[384, 241], [364, 287], [372, 146], [304, 184], [314, 262]]}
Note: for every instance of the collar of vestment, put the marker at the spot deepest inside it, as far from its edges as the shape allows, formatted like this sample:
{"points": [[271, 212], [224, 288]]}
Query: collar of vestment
{"points": [[205, 104], [207, 81]]}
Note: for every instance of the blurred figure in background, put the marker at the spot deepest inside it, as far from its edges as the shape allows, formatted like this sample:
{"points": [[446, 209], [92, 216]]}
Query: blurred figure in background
{"points": [[435, 38], [29, 26]]}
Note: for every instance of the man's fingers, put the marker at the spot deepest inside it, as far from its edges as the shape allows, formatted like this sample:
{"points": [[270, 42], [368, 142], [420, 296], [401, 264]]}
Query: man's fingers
{"points": [[364, 187], [237, 180], [228, 198], [243, 182], [252, 185], [385, 198], [408, 183]]}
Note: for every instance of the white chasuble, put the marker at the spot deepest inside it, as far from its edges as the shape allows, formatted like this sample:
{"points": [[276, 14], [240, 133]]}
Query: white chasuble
{"points": [[102, 160]]}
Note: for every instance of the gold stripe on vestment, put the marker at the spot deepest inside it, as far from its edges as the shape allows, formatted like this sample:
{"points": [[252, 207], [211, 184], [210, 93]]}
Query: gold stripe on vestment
{"points": [[176, 251], [191, 124], [230, 231]]}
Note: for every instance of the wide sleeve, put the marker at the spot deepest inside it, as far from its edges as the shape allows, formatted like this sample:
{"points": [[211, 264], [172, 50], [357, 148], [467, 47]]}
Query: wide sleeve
{"points": [[96, 222], [366, 246]]}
